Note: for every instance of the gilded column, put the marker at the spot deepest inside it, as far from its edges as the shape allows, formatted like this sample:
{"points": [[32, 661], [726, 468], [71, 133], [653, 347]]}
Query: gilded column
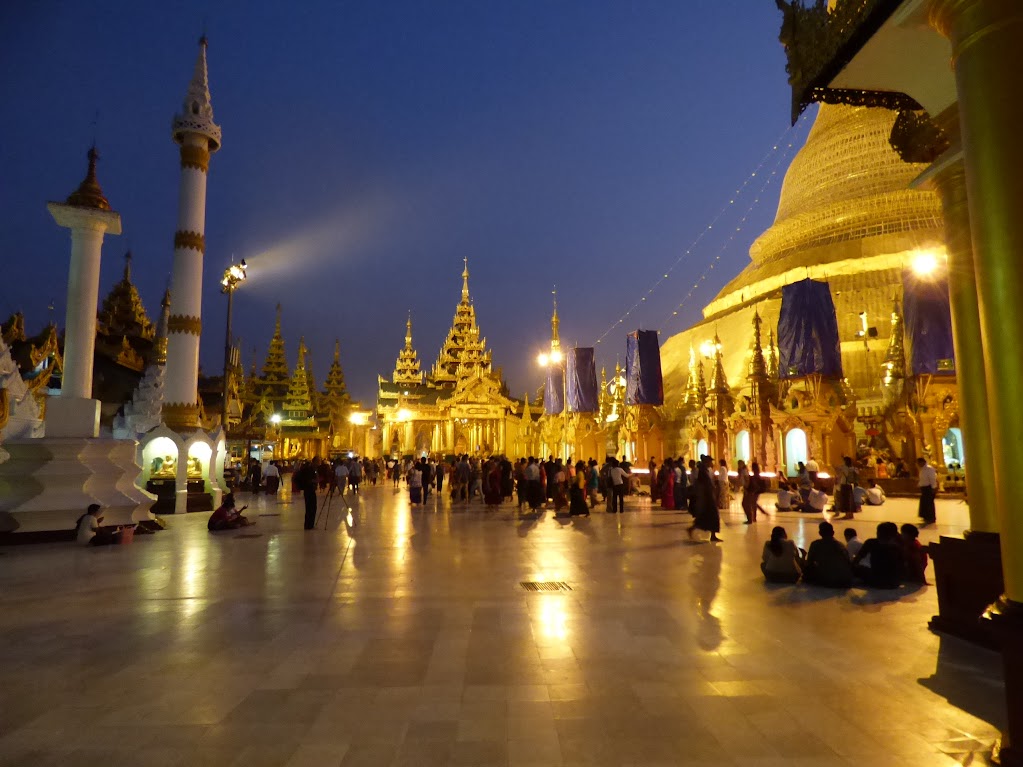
{"points": [[966, 335], [986, 54], [198, 136]]}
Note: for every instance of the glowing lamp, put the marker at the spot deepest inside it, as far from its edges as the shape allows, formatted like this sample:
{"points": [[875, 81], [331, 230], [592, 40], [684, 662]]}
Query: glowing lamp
{"points": [[707, 348], [404, 414], [543, 359], [358, 419], [275, 418], [556, 356], [925, 263]]}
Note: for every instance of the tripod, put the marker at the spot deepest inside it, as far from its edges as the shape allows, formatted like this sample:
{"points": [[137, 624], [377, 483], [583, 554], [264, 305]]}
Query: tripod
{"points": [[327, 501]]}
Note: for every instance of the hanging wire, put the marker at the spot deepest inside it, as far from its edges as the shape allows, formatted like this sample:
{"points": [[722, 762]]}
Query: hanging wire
{"points": [[778, 142], [781, 162]]}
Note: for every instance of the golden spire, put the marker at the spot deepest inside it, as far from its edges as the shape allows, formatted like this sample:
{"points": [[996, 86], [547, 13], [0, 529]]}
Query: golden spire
{"points": [[408, 330], [337, 351], [465, 280], [718, 381], [555, 323], [88, 194]]}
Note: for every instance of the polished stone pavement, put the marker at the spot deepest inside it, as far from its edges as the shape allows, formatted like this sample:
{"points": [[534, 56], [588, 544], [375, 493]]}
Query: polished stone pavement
{"points": [[407, 639]]}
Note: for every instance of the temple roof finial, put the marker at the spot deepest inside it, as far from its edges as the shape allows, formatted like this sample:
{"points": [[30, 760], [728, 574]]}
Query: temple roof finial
{"points": [[465, 280], [197, 111], [88, 194], [555, 322]]}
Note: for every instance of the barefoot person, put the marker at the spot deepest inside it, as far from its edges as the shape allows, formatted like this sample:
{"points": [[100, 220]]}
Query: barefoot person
{"points": [[89, 533]]}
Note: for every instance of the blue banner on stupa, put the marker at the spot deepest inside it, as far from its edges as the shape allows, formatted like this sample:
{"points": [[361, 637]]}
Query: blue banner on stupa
{"points": [[928, 318], [581, 372], [808, 331], [554, 390], [643, 382]]}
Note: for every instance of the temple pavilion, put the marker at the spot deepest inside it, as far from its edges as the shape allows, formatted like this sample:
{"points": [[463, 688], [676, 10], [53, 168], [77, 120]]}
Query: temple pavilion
{"points": [[460, 406]]}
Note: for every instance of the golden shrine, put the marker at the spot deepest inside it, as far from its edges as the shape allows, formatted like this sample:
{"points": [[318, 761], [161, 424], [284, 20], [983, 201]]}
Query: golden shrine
{"points": [[461, 406]]}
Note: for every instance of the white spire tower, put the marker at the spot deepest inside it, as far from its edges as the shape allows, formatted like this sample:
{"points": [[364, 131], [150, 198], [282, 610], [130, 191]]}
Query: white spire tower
{"points": [[198, 136]]}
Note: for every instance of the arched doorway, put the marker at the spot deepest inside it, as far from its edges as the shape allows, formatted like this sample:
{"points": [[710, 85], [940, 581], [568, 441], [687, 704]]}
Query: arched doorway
{"points": [[952, 447], [702, 448], [795, 450], [742, 444]]}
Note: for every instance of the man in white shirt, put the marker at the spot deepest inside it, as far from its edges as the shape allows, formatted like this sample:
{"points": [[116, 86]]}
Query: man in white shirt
{"points": [[812, 468], [875, 495], [273, 478], [89, 532], [785, 498], [341, 473], [816, 502], [928, 484], [618, 477]]}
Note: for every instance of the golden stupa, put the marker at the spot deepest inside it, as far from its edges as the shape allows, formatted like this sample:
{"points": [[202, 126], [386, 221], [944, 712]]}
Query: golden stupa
{"points": [[847, 215]]}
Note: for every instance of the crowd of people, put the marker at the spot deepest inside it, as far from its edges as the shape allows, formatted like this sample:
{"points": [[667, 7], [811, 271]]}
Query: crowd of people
{"points": [[893, 557]]}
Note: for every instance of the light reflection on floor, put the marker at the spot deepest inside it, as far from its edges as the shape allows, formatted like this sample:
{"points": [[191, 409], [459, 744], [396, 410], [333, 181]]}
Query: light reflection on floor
{"points": [[392, 637]]}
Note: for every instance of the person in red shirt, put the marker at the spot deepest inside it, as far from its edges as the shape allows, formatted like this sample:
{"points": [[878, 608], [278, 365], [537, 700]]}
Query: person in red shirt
{"points": [[914, 554], [227, 517]]}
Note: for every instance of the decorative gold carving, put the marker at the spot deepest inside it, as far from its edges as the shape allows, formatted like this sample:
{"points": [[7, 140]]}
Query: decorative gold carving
{"points": [[819, 43], [192, 240], [195, 157], [181, 416], [179, 323], [917, 138]]}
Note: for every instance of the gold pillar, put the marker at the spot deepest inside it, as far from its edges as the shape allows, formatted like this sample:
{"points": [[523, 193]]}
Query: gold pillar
{"points": [[973, 403], [987, 57]]}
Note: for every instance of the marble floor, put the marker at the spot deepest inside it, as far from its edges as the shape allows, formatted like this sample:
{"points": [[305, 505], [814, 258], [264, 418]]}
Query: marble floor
{"points": [[398, 638]]}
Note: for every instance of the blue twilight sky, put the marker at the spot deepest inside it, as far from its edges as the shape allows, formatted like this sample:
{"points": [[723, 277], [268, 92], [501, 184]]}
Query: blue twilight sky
{"points": [[370, 146]]}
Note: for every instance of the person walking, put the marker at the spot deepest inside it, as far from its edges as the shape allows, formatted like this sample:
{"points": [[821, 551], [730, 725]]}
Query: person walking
{"points": [[928, 484], [593, 482], [751, 493], [704, 505], [577, 492], [307, 480]]}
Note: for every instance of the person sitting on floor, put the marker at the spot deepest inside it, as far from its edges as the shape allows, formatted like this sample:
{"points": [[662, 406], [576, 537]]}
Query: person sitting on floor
{"points": [[782, 561], [852, 543], [89, 533], [914, 554], [227, 517], [874, 494], [816, 502], [887, 562], [785, 498], [827, 561]]}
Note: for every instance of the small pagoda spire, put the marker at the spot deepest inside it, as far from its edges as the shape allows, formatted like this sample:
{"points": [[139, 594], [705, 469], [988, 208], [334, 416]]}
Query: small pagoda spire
{"points": [[275, 367], [718, 381], [757, 364], [465, 280], [89, 194], [555, 323], [894, 365], [692, 398], [122, 312], [335, 384], [298, 404], [406, 368], [772, 357], [160, 343], [701, 384], [127, 267]]}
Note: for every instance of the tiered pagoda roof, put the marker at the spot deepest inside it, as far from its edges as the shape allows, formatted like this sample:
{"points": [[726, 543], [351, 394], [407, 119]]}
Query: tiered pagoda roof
{"points": [[122, 313], [335, 384], [464, 352], [275, 377], [406, 368], [298, 406]]}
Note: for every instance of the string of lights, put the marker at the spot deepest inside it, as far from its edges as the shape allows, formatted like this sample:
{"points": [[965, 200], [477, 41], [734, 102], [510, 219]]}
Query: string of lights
{"points": [[728, 206], [782, 162]]}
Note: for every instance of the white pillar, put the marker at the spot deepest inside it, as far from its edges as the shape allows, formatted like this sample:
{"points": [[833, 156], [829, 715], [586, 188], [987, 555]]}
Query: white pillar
{"points": [[77, 414]]}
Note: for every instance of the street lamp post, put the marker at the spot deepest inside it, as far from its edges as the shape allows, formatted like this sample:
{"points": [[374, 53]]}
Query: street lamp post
{"points": [[234, 275]]}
